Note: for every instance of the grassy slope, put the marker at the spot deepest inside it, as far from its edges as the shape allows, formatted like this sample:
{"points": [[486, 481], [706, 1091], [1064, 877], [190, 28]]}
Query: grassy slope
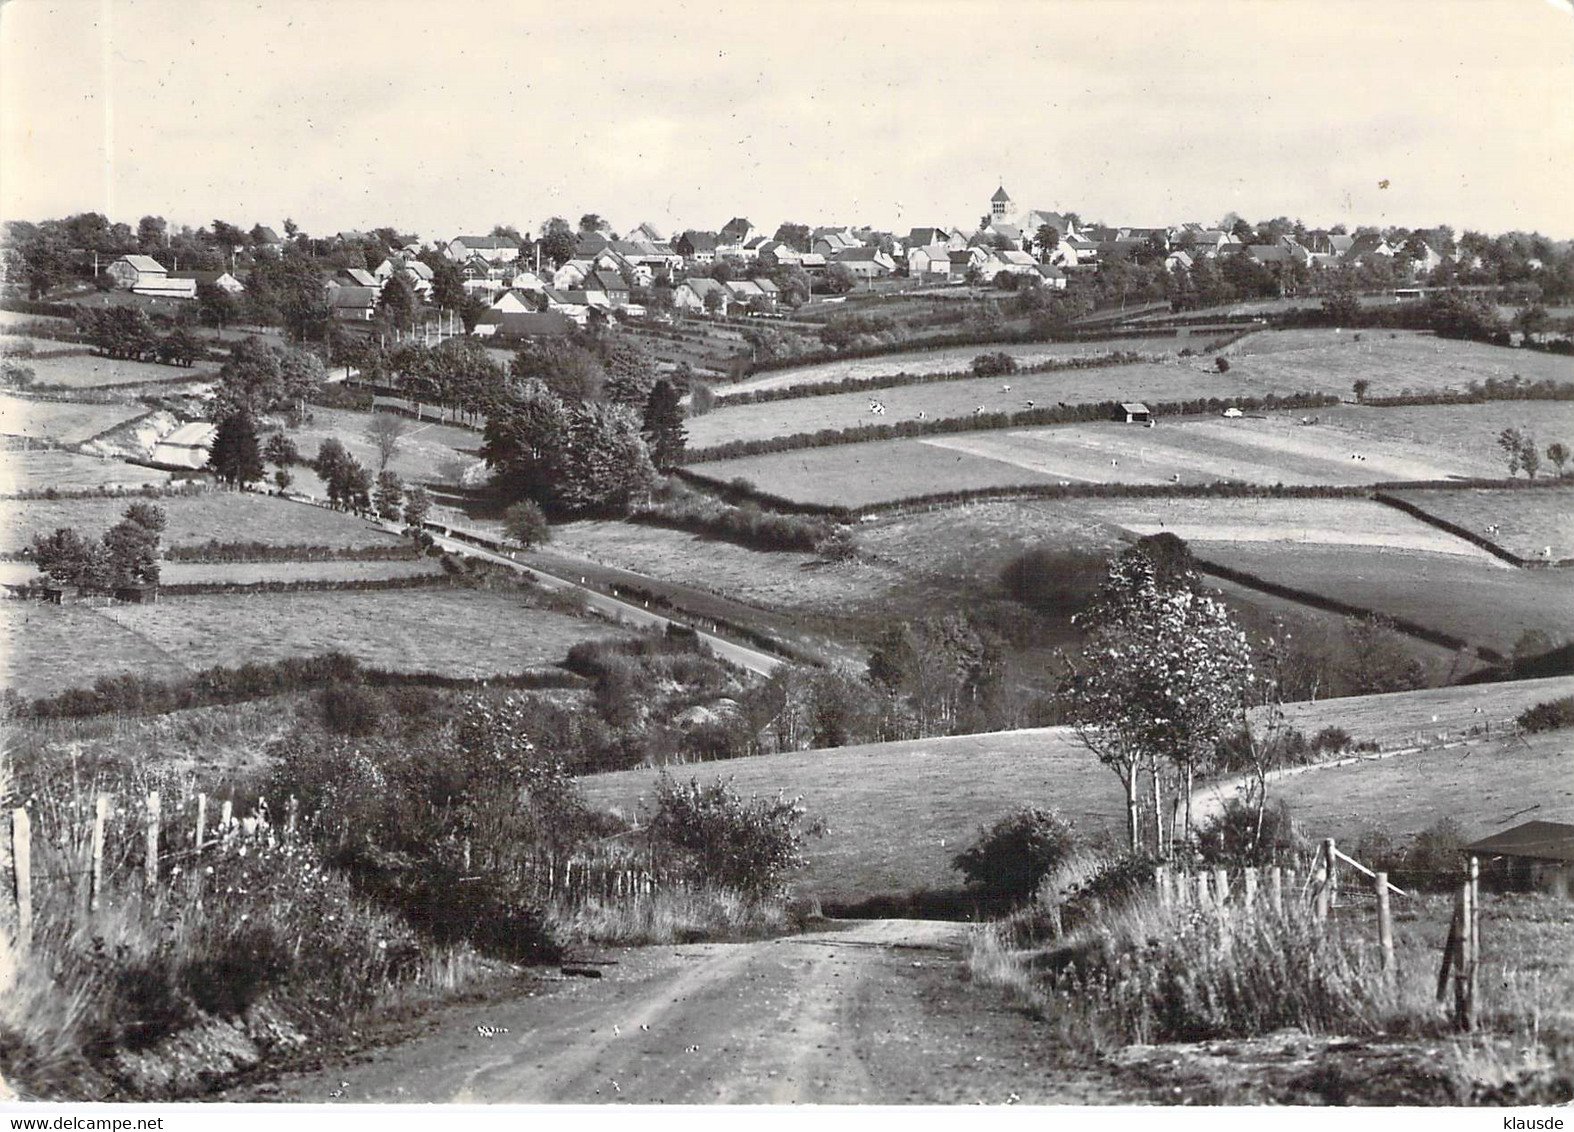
{"points": [[1400, 444], [86, 371], [195, 519], [1479, 601], [424, 454], [1486, 787], [39, 469], [898, 812], [1527, 521], [65, 422]]}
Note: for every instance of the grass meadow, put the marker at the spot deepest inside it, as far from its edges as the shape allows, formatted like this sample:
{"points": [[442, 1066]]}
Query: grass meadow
{"points": [[1399, 444], [1479, 600], [89, 371], [898, 812], [196, 520], [38, 469], [948, 359], [61, 422], [428, 452], [1527, 522]]}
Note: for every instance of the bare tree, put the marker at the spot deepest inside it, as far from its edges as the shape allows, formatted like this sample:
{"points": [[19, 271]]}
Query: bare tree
{"points": [[385, 432]]}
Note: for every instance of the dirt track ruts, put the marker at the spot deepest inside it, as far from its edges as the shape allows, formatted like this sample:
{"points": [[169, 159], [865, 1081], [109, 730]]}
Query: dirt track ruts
{"points": [[872, 1012]]}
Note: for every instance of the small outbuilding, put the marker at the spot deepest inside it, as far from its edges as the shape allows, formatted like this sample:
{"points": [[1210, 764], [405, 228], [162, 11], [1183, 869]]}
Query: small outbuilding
{"points": [[1537, 855], [1133, 412]]}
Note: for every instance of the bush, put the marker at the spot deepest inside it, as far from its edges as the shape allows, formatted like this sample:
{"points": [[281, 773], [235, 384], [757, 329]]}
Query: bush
{"points": [[1231, 838], [749, 845], [838, 546], [1012, 856], [1549, 715], [351, 709], [994, 365], [702, 399], [1331, 740], [1054, 581]]}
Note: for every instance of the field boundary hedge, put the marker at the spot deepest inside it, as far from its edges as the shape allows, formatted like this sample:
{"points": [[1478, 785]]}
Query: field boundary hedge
{"points": [[1084, 412], [1345, 609], [130, 694], [830, 388], [1415, 511], [217, 553]]}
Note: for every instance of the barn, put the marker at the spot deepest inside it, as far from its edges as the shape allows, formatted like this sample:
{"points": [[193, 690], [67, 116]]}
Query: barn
{"points": [[1537, 855], [1133, 412]]}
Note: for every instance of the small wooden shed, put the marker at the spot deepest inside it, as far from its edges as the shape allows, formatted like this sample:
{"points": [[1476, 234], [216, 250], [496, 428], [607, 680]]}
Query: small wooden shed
{"points": [[1133, 412], [1537, 855]]}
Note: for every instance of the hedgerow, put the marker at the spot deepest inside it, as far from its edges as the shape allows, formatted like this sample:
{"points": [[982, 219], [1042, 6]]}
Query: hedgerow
{"points": [[1047, 415]]}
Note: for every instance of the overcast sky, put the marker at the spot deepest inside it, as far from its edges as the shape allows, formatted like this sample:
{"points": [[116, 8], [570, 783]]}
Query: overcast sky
{"points": [[446, 117]]}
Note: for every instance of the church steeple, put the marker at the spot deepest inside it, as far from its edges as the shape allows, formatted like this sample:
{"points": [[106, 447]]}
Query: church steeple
{"points": [[1000, 206]]}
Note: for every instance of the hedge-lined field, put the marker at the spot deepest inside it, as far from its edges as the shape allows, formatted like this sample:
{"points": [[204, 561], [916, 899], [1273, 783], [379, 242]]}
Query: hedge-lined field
{"points": [[1477, 600], [951, 358], [87, 371], [1330, 522], [195, 519], [1398, 445], [63, 422], [1391, 360], [1527, 522], [450, 631], [1141, 381], [40, 468], [428, 452]]}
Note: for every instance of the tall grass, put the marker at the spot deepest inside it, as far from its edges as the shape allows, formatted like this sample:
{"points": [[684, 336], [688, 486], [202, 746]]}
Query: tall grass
{"points": [[673, 915]]}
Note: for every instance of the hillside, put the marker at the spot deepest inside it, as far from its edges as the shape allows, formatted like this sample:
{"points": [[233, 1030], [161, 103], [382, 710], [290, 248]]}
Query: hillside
{"points": [[898, 812]]}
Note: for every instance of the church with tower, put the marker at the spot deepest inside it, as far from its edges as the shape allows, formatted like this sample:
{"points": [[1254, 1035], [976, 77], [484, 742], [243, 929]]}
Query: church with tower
{"points": [[1020, 226]]}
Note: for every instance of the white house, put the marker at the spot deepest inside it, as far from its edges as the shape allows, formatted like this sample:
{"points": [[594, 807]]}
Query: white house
{"points": [[929, 262], [493, 249]]}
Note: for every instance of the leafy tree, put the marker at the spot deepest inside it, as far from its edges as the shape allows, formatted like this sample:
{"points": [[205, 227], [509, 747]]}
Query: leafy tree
{"points": [[1377, 660], [630, 370], [1013, 856], [283, 479], [1360, 386], [68, 559], [216, 306], [350, 485], [524, 441], [1160, 677], [396, 304], [250, 382], [939, 666], [178, 347], [747, 845], [280, 449], [331, 455], [840, 279], [662, 427], [1048, 239], [150, 234], [301, 374], [385, 432], [1512, 443], [715, 302], [131, 547], [1558, 454], [569, 371], [236, 456], [525, 523], [795, 236], [604, 464], [1530, 455], [389, 495], [558, 246], [417, 505]]}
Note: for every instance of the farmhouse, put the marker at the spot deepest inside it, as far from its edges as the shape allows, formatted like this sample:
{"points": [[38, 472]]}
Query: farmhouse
{"points": [[693, 294], [517, 325], [1133, 412], [696, 247], [1536, 854], [493, 249], [356, 277], [865, 263], [166, 287], [512, 302], [353, 304], [930, 261], [131, 270], [223, 280]]}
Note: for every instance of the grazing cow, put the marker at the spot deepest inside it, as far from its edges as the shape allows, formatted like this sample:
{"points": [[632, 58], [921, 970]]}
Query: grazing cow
{"points": [[978, 411], [1030, 404], [1005, 389], [1175, 478]]}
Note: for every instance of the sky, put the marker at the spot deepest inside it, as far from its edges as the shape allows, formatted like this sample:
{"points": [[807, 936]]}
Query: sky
{"points": [[445, 118]]}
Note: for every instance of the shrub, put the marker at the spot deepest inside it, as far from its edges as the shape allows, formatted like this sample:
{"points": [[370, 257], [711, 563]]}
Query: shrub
{"points": [[1222, 364], [351, 709], [1330, 740], [994, 365], [1055, 581], [838, 546], [1012, 856], [1231, 837], [702, 399], [745, 844], [1549, 715]]}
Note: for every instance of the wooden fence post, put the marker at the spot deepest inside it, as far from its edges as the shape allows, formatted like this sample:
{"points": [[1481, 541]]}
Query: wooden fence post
{"points": [[1249, 886], [1276, 889], [1385, 924], [1221, 886], [150, 856], [292, 816], [1202, 889], [1450, 945], [1325, 879], [202, 822], [95, 880], [1161, 881], [1473, 943], [226, 817], [22, 875]]}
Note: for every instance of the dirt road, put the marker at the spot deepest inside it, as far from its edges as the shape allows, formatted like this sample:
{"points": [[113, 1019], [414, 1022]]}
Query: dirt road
{"points": [[873, 1012]]}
